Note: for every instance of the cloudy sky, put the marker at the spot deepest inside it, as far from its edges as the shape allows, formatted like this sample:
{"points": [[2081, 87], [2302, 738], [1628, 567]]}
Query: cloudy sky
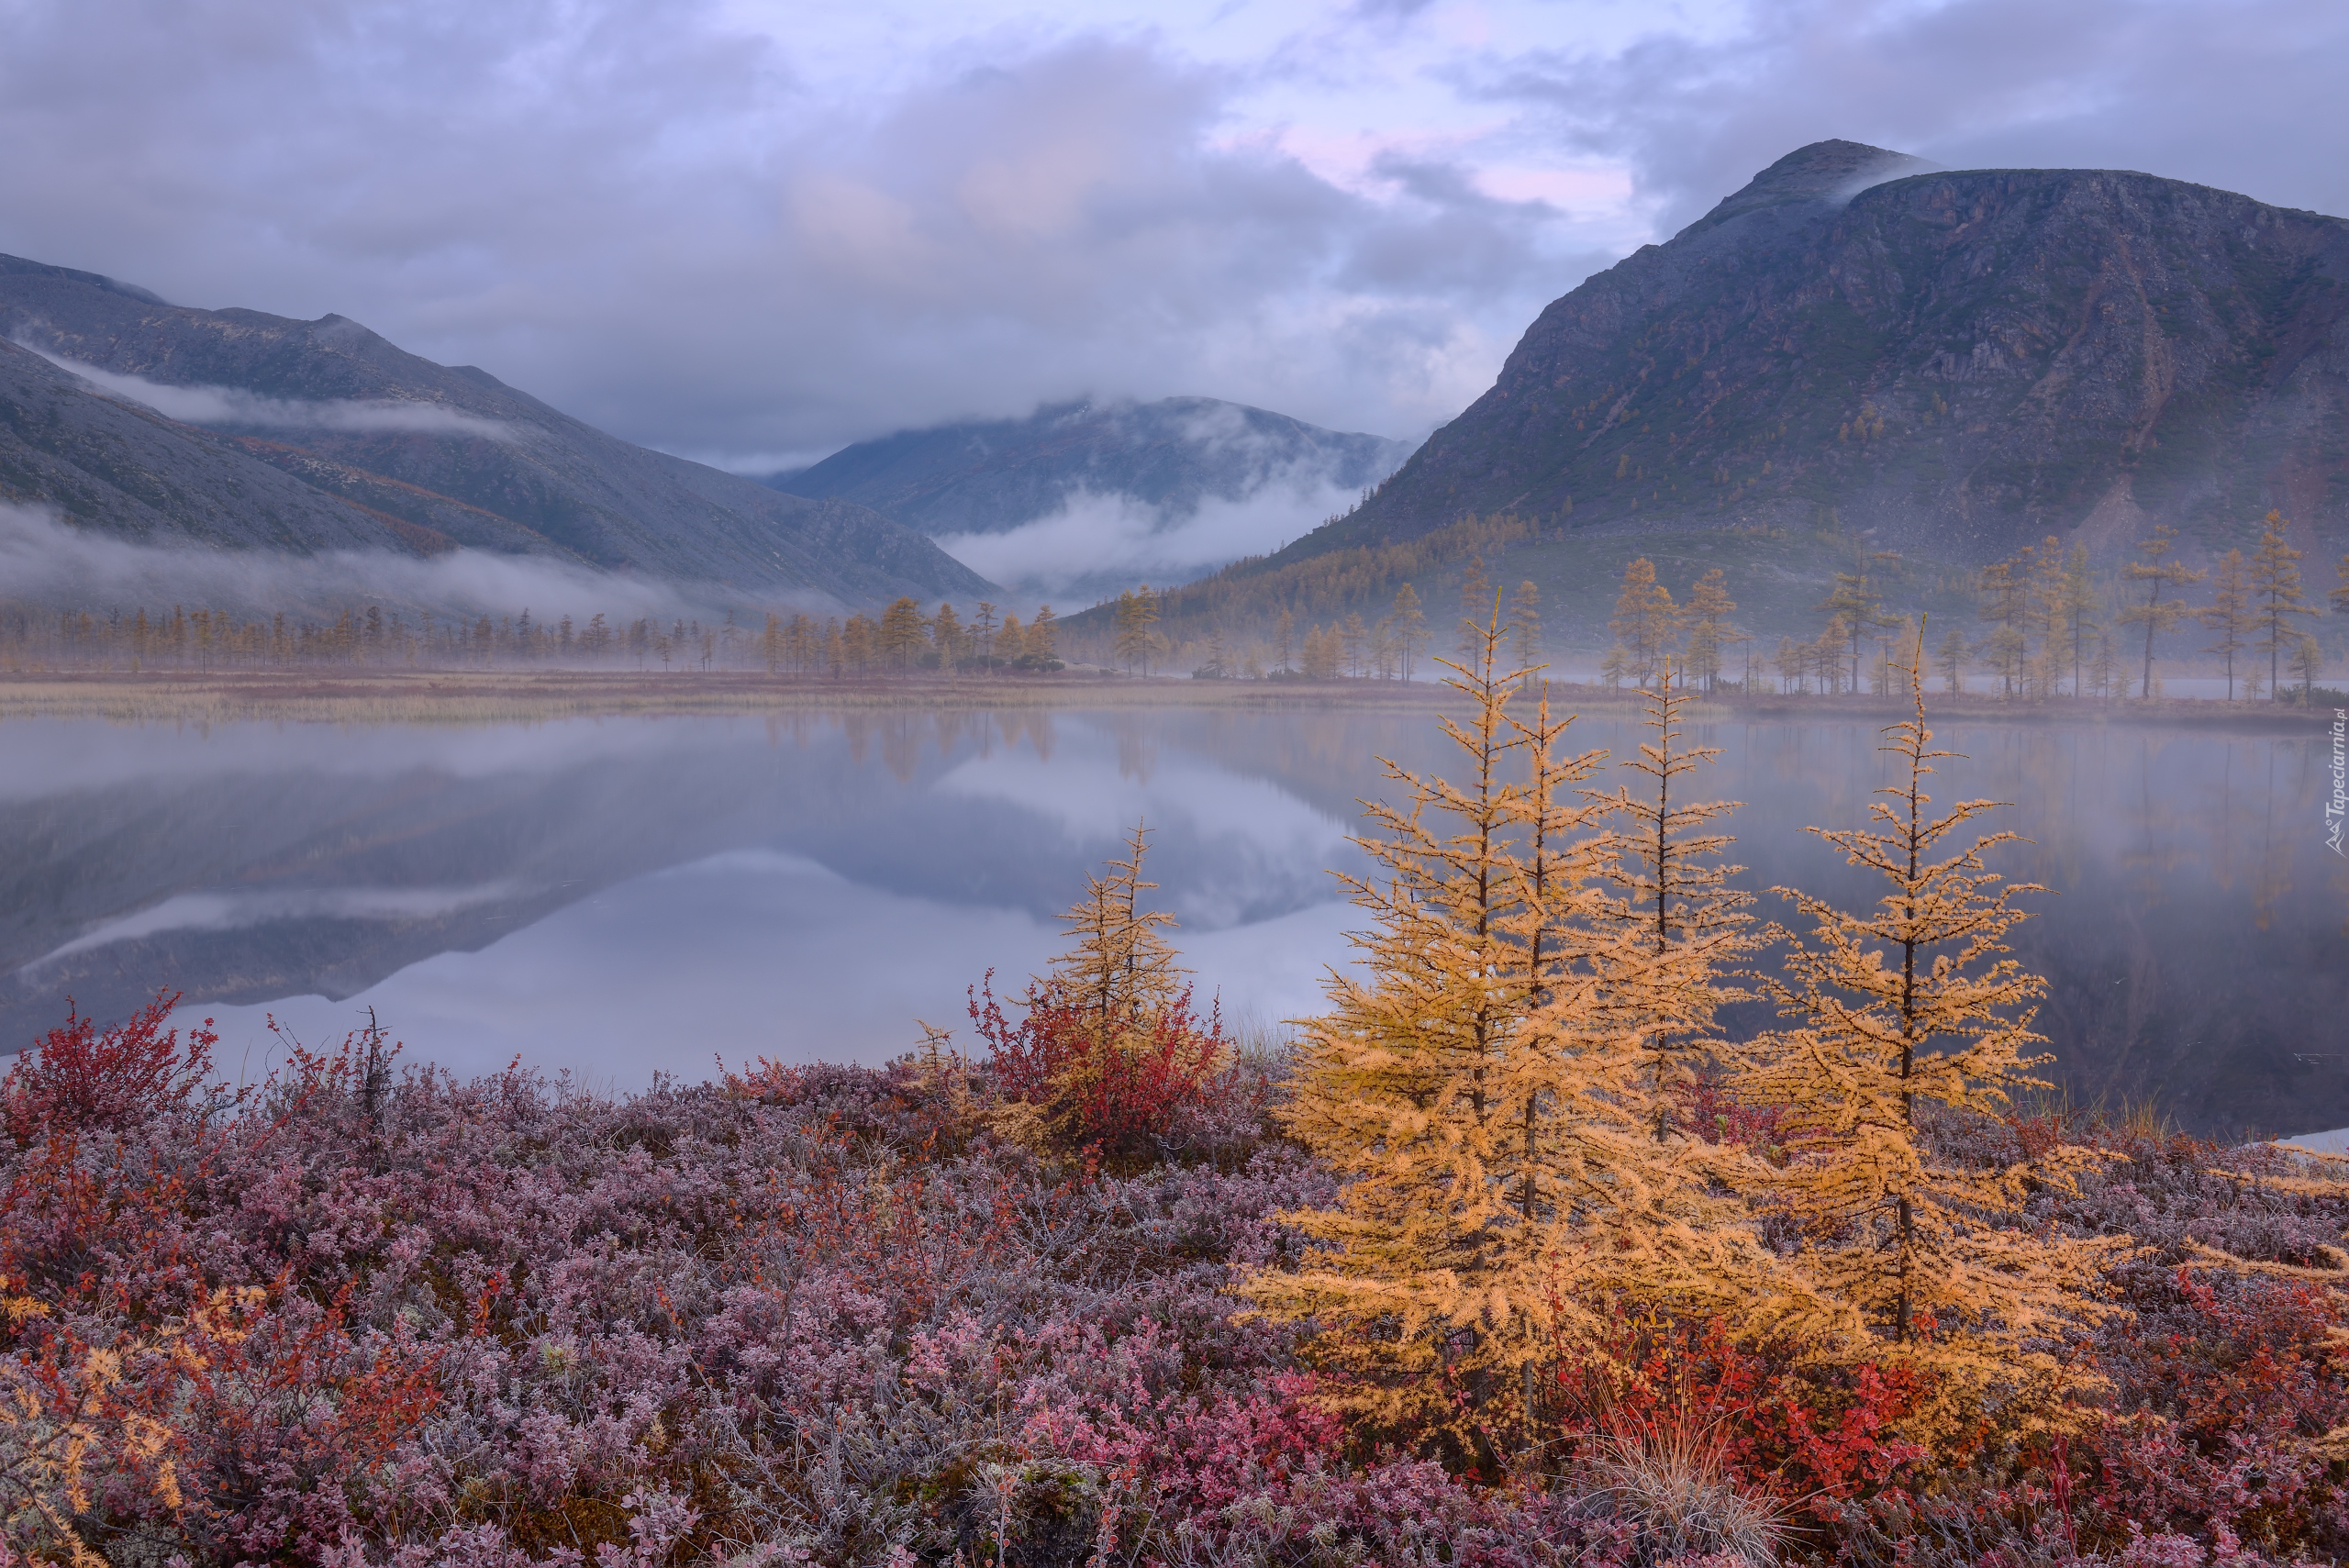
{"points": [[751, 232]]}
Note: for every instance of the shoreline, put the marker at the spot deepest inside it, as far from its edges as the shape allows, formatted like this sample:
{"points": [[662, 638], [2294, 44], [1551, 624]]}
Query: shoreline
{"points": [[511, 695]]}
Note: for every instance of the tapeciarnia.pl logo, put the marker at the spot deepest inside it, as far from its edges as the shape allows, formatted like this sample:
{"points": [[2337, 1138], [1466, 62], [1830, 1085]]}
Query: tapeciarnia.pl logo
{"points": [[2337, 808]]}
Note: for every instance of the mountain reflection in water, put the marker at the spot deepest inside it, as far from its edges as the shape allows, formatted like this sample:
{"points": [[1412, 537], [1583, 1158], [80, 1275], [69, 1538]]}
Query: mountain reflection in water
{"points": [[621, 897]]}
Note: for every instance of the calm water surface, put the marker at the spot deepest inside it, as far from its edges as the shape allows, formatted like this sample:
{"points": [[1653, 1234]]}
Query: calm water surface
{"points": [[621, 897]]}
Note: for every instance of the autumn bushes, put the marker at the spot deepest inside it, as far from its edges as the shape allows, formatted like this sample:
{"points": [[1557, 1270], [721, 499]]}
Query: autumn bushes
{"points": [[1865, 1310], [1109, 1054], [1519, 1262]]}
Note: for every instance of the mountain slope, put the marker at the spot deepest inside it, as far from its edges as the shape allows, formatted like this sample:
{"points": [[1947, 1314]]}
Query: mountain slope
{"points": [[995, 475], [1961, 361], [140, 476], [335, 408]]}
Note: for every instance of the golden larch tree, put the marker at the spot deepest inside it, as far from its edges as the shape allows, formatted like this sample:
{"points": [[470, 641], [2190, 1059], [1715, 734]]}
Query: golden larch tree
{"points": [[1953, 657], [1122, 968], [1494, 1124], [1407, 626], [1646, 622], [1709, 631], [1678, 924], [1525, 625], [2158, 570], [1913, 1003], [2229, 614], [2276, 598], [1855, 607], [1475, 599], [2005, 589]]}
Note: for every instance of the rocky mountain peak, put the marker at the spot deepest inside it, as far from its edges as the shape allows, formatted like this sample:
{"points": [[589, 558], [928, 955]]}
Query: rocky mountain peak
{"points": [[1965, 361], [1825, 171]]}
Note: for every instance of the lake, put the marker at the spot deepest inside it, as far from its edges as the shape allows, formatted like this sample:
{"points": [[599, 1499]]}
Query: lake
{"points": [[622, 896]]}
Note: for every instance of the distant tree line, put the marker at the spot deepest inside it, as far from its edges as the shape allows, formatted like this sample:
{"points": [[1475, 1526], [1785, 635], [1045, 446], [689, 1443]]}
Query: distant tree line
{"points": [[2051, 626], [901, 638]]}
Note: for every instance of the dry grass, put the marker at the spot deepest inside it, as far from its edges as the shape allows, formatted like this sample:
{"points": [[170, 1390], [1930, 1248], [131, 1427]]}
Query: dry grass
{"points": [[1672, 1484], [358, 696]]}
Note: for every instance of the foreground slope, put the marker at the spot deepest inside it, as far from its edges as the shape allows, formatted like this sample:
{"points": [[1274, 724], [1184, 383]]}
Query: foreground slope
{"points": [[337, 431], [1963, 362]]}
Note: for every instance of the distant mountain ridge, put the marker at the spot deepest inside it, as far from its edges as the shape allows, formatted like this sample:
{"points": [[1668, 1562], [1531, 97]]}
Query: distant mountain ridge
{"points": [[304, 436], [1961, 361], [1174, 455]]}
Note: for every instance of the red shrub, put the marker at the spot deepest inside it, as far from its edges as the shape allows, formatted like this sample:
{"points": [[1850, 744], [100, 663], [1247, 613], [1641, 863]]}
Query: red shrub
{"points": [[2224, 1399], [1807, 1434], [1128, 1090], [77, 1077]]}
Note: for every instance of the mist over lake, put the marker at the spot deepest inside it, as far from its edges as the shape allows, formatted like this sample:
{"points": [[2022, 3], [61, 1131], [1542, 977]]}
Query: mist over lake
{"points": [[623, 896]]}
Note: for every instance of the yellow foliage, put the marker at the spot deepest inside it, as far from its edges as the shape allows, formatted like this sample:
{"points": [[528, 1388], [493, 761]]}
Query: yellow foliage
{"points": [[1677, 922], [1914, 1001], [1494, 1113]]}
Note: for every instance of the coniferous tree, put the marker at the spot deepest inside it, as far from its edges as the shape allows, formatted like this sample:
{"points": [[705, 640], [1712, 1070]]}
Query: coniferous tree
{"points": [[2104, 671], [1494, 1119], [2276, 598], [1407, 626], [2074, 616], [1476, 604], [1709, 607], [1108, 1046], [1856, 607], [1953, 654], [981, 632], [2005, 601], [1121, 968], [2307, 664], [1914, 1002], [1676, 924], [1646, 623], [1137, 620], [1525, 626], [2229, 614], [902, 634], [1041, 633], [2159, 569], [946, 637]]}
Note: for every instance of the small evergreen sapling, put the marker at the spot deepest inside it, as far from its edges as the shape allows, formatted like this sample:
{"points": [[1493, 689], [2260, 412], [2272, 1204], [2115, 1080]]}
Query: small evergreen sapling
{"points": [[1109, 1051]]}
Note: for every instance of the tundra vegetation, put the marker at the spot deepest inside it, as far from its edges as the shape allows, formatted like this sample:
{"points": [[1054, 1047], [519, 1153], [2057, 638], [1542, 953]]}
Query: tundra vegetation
{"points": [[1510, 1257]]}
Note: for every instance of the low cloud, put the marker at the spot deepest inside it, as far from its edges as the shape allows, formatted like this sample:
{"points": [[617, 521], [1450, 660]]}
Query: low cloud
{"points": [[1095, 540], [745, 229], [47, 561], [234, 408], [229, 911]]}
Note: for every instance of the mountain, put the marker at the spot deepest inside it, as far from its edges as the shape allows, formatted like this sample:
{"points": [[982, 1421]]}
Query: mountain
{"points": [[232, 428], [1099, 496], [1957, 361], [1176, 454]]}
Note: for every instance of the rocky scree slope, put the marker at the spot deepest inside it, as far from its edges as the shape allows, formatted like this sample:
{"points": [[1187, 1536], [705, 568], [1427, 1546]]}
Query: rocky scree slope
{"points": [[328, 436], [1961, 361]]}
